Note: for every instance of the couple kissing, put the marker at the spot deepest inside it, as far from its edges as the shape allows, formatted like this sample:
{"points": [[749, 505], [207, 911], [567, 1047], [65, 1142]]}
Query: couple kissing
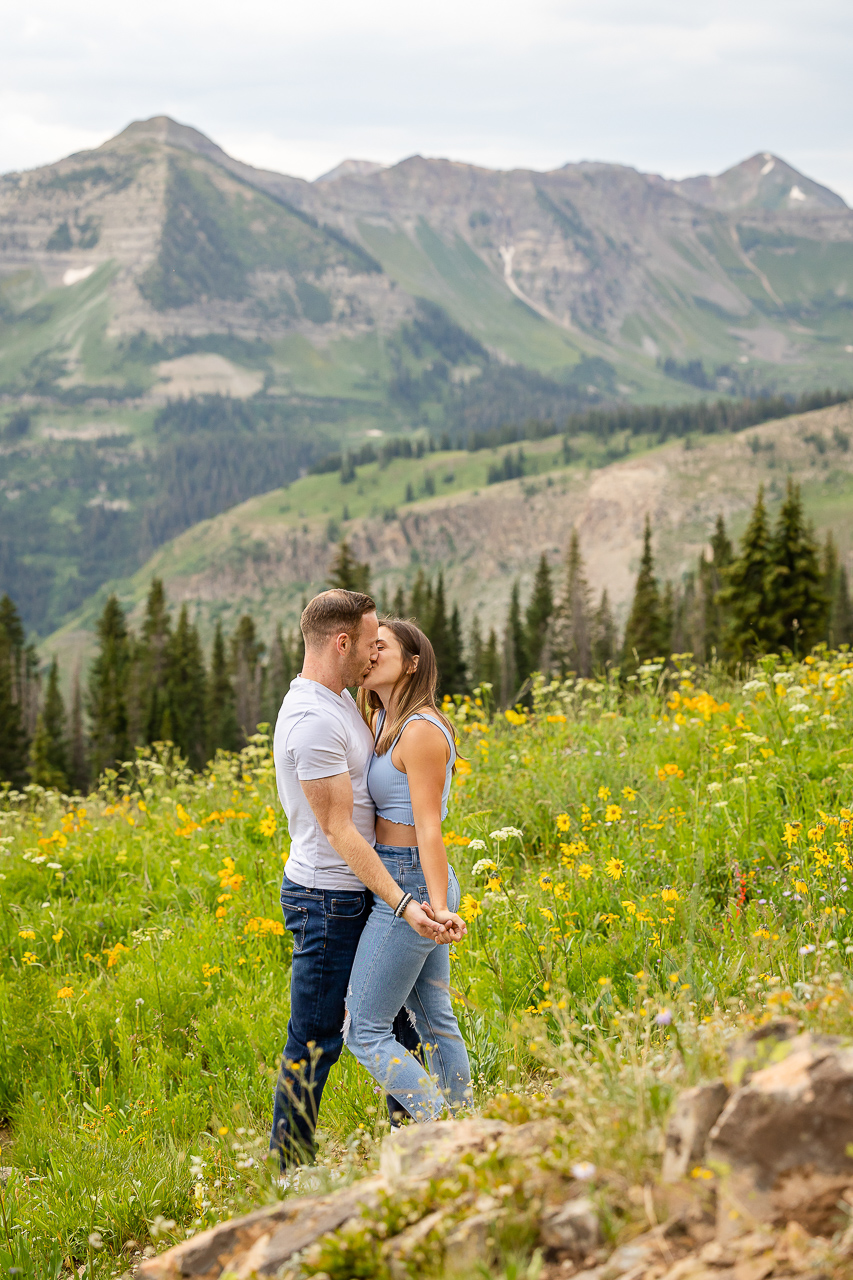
{"points": [[368, 893]]}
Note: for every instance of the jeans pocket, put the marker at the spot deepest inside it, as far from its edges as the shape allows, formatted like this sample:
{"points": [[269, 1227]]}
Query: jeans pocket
{"points": [[351, 905], [295, 918]]}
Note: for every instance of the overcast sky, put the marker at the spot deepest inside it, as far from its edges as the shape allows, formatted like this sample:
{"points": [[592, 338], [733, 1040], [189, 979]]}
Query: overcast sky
{"points": [[667, 86]]}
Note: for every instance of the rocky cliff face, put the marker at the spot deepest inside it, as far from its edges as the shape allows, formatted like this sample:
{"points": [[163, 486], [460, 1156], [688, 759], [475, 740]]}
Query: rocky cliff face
{"points": [[593, 260]]}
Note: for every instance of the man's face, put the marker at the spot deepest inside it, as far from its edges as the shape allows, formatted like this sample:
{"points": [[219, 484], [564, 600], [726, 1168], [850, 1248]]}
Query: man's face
{"points": [[361, 652]]}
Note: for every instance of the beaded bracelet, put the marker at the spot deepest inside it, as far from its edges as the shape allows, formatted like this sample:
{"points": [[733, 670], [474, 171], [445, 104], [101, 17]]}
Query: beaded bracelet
{"points": [[402, 904]]}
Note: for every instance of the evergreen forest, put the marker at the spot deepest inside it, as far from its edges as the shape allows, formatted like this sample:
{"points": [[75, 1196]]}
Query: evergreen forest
{"points": [[779, 591]]}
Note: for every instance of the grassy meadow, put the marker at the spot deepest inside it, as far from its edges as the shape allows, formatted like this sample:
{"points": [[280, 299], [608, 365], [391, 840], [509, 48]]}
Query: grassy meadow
{"points": [[642, 873]]}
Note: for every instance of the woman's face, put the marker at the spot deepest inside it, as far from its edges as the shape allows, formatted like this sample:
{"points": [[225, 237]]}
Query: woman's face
{"points": [[389, 664]]}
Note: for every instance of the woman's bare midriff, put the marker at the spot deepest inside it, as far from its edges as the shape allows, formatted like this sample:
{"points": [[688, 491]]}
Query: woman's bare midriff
{"points": [[395, 833]]}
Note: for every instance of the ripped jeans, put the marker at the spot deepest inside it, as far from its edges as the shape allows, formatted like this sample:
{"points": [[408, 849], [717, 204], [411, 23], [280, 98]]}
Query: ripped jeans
{"points": [[395, 967]]}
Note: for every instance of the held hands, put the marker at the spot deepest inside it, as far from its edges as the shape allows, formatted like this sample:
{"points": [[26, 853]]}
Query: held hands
{"points": [[438, 926], [455, 925]]}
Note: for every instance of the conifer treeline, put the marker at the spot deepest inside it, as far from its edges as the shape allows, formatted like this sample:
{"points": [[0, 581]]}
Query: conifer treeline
{"points": [[154, 686], [779, 590]]}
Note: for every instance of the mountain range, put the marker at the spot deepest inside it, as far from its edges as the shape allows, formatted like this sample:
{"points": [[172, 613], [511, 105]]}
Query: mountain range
{"points": [[180, 331]]}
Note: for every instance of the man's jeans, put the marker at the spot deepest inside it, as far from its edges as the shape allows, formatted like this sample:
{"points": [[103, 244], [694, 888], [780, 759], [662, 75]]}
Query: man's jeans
{"points": [[326, 925]]}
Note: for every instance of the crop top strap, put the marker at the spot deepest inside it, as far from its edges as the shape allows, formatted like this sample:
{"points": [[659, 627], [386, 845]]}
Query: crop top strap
{"points": [[424, 715]]}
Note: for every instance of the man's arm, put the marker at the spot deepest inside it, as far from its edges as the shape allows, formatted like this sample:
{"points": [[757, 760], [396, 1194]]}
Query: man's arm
{"points": [[331, 800]]}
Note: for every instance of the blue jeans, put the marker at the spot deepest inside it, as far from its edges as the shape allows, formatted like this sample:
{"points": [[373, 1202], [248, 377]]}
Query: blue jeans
{"points": [[326, 925], [396, 967]]}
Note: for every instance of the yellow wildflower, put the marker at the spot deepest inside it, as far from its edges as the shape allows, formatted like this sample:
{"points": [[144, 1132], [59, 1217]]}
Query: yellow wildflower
{"points": [[669, 895], [563, 822], [584, 871], [629, 793], [65, 993], [613, 813], [27, 933], [604, 793], [614, 867], [470, 908]]}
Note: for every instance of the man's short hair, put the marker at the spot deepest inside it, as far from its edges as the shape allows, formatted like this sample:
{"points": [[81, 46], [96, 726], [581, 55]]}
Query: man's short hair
{"points": [[332, 612]]}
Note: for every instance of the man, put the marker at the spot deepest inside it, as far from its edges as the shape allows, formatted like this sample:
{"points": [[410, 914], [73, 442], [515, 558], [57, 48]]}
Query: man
{"points": [[322, 749]]}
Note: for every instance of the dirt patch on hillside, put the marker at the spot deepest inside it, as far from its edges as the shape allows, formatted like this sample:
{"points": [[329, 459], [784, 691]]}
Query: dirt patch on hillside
{"points": [[205, 374]]}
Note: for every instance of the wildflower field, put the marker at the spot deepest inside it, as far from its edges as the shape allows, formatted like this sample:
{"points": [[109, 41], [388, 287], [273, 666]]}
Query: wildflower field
{"points": [[642, 871]]}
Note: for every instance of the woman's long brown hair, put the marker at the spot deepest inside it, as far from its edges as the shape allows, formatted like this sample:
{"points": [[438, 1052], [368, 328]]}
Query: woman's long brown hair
{"points": [[416, 690]]}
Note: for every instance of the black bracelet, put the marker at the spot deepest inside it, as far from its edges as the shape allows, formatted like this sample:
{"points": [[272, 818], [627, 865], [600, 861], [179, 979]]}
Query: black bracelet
{"points": [[402, 904]]}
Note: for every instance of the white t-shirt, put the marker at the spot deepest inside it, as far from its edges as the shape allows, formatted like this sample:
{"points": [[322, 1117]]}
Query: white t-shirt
{"points": [[320, 734]]}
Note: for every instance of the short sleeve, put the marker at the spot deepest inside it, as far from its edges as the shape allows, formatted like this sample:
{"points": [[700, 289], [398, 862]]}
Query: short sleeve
{"points": [[317, 745]]}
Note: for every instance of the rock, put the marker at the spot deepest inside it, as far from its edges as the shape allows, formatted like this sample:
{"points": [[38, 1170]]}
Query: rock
{"points": [[693, 1116], [755, 1050], [6, 1172], [262, 1242], [429, 1150], [793, 1117], [638, 1256], [467, 1247], [573, 1228], [406, 1252]]}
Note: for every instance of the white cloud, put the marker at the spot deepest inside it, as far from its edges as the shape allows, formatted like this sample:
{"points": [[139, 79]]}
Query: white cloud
{"points": [[28, 137]]}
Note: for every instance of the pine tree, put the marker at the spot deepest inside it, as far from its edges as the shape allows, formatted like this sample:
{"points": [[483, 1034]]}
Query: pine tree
{"points": [[147, 699], [421, 603], [222, 729], [744, 596], [835, 584], [603, 635], [246, 653], [710, 629], [49, 759], [458, 678], [347, 573], [538, 616], [573, 638], [515, 667], [280, 672], [107, 694], [798, 603], [438, 630], [13, 741], [490, 668], [475, 650], [185, 692], [400, 603], [78, 757], [644, 633]]}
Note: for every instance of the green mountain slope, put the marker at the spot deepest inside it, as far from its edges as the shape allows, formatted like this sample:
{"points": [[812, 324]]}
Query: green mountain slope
{"points": [[439, 512], [292, 319]]}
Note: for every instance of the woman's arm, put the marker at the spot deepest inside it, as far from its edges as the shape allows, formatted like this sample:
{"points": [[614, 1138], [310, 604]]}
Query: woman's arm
{"points": [[423, 753]]}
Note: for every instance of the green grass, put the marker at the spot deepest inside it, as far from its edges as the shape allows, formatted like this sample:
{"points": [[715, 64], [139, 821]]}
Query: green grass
{"points": [[683, 848]]}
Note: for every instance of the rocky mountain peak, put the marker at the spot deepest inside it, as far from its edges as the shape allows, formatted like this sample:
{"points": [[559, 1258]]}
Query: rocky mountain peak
{"points": [[351, 169], [167, 132], [764, 181]]}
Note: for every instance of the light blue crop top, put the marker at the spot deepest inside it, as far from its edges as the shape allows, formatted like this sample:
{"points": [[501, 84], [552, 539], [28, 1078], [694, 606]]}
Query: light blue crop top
{"points": [[390, 788]]}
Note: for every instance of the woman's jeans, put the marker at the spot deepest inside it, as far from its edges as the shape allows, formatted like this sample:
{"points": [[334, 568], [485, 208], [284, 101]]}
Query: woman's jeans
{"points": [[396, 967]]}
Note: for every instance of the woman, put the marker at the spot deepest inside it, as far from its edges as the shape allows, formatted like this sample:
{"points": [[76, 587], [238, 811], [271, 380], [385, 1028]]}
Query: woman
{"points": [[409, 780]]}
